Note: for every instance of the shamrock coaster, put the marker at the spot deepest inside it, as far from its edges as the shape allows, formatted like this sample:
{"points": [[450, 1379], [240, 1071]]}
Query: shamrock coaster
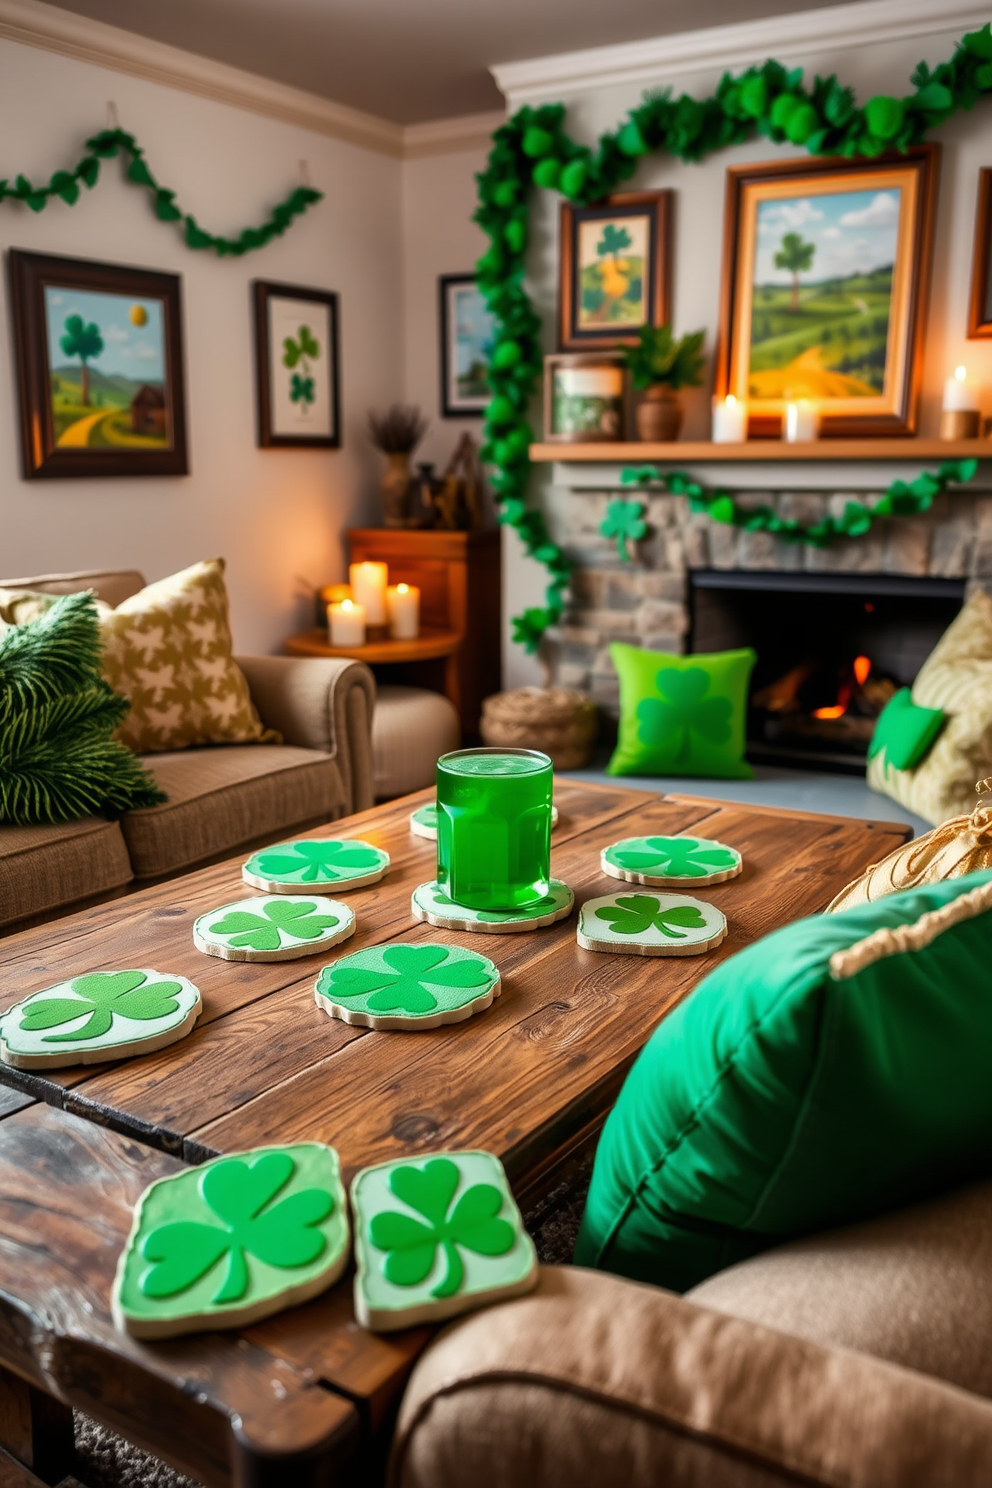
{"points": [[423, 822], [102, 1015], [435, 1237], [432, 904], [650, 925], [273, 929], [289, 866], [671, 860], [407, 986], [228, 1243]]}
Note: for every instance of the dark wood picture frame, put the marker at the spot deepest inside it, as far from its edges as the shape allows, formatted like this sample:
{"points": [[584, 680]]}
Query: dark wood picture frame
{"points": [[980, 304], [30, 275], [264, 290], [657, 206], [923, 161], [470, 408]]}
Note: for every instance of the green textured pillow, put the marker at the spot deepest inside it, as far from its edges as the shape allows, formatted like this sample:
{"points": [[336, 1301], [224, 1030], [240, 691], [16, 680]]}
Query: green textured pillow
{"points": [[57, 759], [833, 1070], [905, 732], [682, 715]]}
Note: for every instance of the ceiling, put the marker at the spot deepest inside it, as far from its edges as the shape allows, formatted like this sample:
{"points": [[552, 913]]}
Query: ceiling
{"points": [[409, 60]]}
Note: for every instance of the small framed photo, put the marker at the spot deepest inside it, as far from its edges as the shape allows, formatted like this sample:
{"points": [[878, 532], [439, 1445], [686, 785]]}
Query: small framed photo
{"points": [[99, 368], [980, 308], [296, 367], [615, 270], [467, 329]]}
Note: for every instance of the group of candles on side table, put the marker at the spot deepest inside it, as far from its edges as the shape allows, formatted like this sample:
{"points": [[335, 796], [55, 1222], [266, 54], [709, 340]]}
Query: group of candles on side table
{"points": [[370, 603]]}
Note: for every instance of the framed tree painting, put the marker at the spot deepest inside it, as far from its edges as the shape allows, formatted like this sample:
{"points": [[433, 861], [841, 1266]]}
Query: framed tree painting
{"points": [[467, 329], [980, 307], [825, 281], [296, 367], [99, 368], [615, 269]]}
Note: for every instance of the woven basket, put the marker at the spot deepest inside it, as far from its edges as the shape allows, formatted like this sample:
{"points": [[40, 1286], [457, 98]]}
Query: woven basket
{"points": [[556, 720]]}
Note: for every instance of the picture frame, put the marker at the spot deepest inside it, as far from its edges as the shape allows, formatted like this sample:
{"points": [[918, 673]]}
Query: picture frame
{"points": [[586, 398], [857, 344], [466, 329], [297, 366], [980, 303], [614, 269], [99, 360]]}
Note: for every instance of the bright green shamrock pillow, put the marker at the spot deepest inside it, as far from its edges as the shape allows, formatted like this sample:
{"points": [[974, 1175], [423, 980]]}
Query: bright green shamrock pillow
{"points": [[831, 1071], [682, 715], [904, 731]]}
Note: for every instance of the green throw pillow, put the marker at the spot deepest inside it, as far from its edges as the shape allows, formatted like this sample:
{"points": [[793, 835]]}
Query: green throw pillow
{"points": [[682, 715], [58, 761], [833, 1070], [905, 731]]}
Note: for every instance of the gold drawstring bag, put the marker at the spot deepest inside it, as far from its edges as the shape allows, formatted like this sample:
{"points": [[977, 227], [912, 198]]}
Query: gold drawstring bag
{"points": [[959, 846]]}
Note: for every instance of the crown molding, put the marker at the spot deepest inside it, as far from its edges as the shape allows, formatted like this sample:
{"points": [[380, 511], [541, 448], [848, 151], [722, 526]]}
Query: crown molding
{"points": [[789, 37], [445, 136]]}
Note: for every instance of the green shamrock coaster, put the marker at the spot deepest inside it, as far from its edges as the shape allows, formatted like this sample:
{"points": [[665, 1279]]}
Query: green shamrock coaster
{"points": [[290, 866], [102, 1015], [273, 929], [650, 925], [228, 1243], [407, 986], [432, 904], [692, 861], [423, 822], [435, 1237]]}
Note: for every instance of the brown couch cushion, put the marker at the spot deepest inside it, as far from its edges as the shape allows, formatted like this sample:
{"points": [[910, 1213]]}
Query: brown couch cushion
{"points": [[914, 1287], [226, 796], [48, 868]]}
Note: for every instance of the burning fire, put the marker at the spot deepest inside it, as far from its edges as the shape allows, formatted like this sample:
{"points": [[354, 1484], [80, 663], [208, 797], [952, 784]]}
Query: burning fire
{"points": [[861, 669]]}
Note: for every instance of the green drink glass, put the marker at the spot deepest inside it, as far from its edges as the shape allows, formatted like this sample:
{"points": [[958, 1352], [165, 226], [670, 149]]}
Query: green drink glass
{"points": [[494, 827]]}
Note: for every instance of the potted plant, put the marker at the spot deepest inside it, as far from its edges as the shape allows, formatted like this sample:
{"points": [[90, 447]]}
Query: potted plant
{"points": [[659, 365], [397, 432]]}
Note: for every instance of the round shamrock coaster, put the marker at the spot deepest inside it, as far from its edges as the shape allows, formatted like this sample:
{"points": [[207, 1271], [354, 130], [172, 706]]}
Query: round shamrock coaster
{"points": [[423, 822], [228, 1243], [692, 861], [432, 904], [407, 986], [273, 929], [102, 1015], [290, 866], [650, 925], [435, 1237]]}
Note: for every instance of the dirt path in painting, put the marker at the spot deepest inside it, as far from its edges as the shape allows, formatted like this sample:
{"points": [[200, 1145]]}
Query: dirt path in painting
{"points": [[77, 436]]}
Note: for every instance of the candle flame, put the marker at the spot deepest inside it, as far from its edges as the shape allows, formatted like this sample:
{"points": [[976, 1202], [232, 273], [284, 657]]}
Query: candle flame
{"points": [[402, 589], [961, 373], [862, 666], [731, 401], [346, 604]]}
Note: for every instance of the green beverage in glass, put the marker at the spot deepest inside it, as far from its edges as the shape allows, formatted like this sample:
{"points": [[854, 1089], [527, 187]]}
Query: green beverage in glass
{"points": [[494, 827]]}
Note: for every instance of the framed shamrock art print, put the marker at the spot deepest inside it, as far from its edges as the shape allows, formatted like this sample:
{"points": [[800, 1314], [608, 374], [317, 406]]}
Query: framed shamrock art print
{"points": [[615, 270], [296, 364]]}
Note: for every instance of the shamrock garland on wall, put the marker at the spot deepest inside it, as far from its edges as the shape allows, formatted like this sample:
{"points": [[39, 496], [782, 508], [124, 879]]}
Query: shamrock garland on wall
{"points": [[532, 148]]}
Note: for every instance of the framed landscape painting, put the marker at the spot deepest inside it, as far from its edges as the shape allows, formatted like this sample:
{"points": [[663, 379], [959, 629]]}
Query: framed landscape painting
{"points": [[296, 367], [99, 368], [467, 330], [614, 275], [980, 307], [825, 282]]}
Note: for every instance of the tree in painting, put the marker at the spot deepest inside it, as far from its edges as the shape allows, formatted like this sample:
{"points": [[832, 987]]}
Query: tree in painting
{"points": [[301, 353], [610, 246], [85, 342], [795, 256]]}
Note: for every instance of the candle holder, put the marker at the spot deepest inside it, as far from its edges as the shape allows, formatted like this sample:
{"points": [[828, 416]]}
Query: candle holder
{"points": [[959, 423]]}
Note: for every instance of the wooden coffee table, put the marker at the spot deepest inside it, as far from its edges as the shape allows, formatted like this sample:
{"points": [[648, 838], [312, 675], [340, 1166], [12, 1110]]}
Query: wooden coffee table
{"points": [[305, 1396]]}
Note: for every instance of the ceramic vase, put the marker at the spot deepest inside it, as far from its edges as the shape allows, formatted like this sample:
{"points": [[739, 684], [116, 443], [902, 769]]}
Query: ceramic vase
{"points": [[395, 488], [659, 416]]}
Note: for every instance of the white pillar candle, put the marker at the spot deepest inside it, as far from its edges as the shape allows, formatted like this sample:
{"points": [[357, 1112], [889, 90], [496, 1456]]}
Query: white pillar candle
{"points": [[403, 607], [729, 421], [368, 588], [346, 623], [960, 395], [802, 421]]}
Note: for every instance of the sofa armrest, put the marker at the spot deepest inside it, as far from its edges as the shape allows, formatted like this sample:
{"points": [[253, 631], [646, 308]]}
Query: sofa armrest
{"points": [[600, 1381], [319, 703]]}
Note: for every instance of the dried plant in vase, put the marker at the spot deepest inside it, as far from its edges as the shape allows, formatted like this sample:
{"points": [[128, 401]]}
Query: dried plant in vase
{"points": [[661, 364], [397, 432]]}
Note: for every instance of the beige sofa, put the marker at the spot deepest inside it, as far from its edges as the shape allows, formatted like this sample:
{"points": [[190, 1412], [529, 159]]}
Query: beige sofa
{"points": [[221, 799]]}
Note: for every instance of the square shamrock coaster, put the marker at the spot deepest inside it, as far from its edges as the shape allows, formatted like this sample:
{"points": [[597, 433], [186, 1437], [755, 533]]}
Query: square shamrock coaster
{"points": [[435, 1237], [650, 925], [235, 1240], [98, 1016], [280, 929], [407, 986], [693, 861], [431, 903], [423, 821], [341, 864]]}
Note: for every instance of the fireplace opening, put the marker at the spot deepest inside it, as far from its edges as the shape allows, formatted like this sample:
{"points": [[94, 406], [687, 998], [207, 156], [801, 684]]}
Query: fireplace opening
{"points": [[832, 649]]}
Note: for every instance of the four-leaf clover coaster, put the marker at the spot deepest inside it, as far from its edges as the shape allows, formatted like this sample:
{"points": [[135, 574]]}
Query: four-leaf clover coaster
{"points": [[432, 904], [692, 861], [290, 866], [273, 929], [222, 1245], [650, 925], [407, 986], [101, 1015], [423, 821], [435, 1237]]}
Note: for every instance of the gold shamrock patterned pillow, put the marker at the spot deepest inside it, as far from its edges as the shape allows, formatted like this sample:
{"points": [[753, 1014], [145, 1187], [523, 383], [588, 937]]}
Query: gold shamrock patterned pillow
{"points": [[168, 650]]}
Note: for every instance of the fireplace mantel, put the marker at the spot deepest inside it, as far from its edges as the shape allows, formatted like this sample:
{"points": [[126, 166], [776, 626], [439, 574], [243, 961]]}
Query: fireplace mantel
{"points": [[697, 450]]}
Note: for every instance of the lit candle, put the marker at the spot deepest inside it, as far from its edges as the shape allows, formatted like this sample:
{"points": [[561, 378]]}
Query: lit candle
{"points": [[346, 623], [729, 421], [802, 421], [403, 605], [959, 414], [368, 588]]}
